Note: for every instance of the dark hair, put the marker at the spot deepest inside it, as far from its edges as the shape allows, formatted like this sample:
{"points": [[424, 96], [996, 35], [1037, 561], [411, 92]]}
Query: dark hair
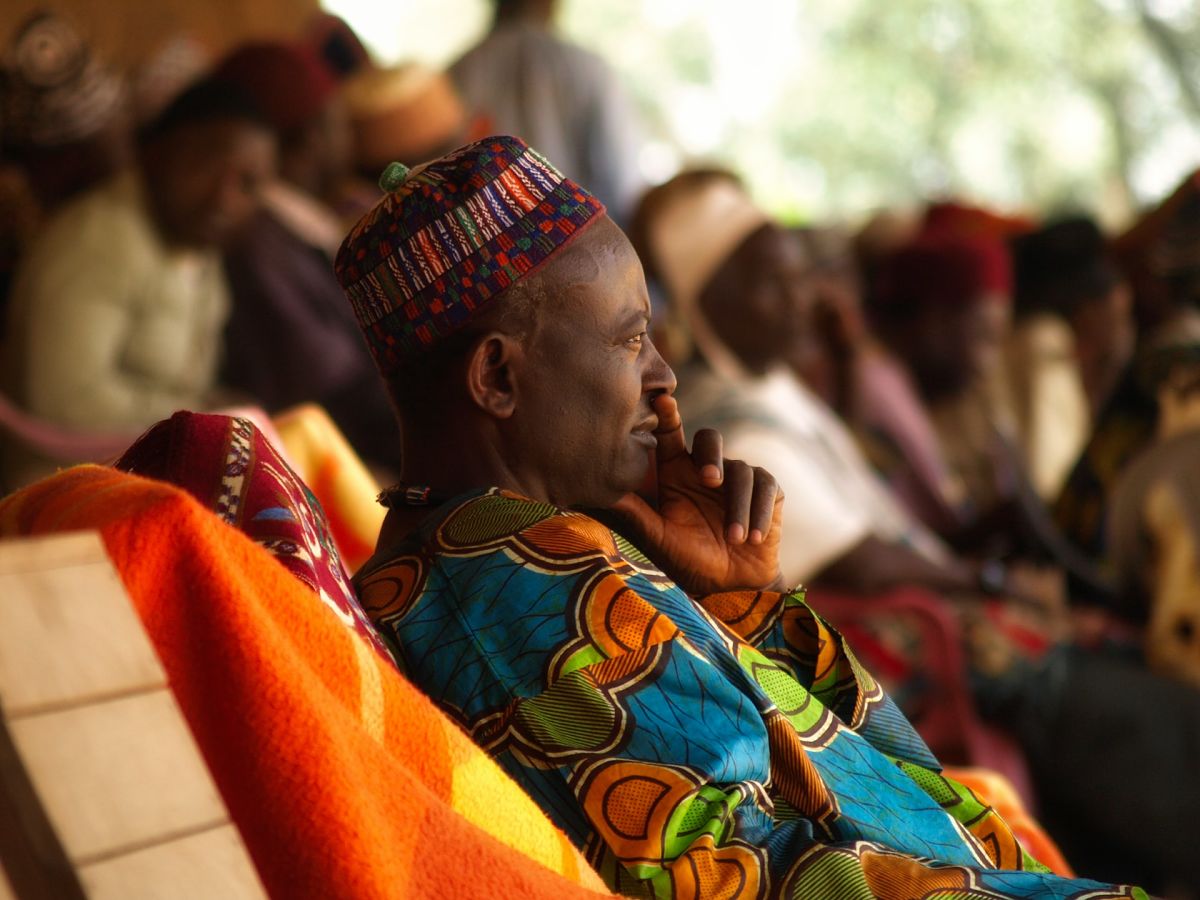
{"points": [[1061, 267], [208, 100]]}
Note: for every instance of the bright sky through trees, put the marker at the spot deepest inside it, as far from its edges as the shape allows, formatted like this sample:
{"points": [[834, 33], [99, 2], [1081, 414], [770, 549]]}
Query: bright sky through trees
{"points": [[836, 107]]}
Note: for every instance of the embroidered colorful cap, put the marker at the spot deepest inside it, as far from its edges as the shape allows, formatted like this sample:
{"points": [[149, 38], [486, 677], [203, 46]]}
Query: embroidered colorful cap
{"points": [[449, 237]]}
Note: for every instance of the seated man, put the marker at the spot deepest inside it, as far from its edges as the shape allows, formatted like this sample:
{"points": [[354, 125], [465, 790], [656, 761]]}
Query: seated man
{"points": [[290, 338], [118, 308], [694, 730], [737, 283]]}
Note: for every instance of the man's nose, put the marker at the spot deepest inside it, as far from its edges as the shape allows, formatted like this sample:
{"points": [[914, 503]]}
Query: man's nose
{"points": [[658, 377]]}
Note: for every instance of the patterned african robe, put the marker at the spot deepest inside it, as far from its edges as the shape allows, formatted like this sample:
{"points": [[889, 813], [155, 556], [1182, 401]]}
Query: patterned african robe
{"points": [[724, 746]]}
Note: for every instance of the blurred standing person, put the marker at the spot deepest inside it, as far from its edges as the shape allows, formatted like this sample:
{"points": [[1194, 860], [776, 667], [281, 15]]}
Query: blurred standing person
{"points": [[117, 310], [291, 338], [524, 79]]}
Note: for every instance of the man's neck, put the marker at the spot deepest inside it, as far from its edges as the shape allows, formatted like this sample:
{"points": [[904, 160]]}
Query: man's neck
{"points": [[441, 464]]}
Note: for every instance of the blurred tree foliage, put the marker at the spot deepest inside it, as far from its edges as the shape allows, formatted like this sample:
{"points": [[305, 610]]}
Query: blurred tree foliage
{"points": [[833, 107], [836, 107]]}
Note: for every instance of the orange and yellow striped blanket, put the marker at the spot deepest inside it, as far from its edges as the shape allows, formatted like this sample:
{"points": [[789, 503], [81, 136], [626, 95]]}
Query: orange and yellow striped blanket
{"points": [[344, 780]]}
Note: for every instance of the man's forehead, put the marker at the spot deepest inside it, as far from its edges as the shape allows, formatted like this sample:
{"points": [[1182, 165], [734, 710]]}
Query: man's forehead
{"points": [[599, 254], [598, 277]]}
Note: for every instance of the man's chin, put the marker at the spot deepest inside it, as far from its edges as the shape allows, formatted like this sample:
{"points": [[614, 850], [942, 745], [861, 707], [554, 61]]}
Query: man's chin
{"points": [[645, 480]]}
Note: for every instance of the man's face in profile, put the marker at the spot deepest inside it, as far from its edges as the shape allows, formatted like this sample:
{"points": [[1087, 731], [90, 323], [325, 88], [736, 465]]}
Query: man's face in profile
{"points": [[591, 372]]}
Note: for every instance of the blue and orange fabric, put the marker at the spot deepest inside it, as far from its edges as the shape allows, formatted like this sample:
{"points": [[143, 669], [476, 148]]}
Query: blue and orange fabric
{"points": [[729, 746]]}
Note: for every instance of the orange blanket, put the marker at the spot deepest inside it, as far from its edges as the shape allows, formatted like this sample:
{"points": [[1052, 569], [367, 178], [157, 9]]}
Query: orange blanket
{"points": [[343, 779]]}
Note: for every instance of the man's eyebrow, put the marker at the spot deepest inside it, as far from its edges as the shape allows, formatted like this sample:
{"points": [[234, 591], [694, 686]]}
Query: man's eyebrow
{"points": [[635, 317]]}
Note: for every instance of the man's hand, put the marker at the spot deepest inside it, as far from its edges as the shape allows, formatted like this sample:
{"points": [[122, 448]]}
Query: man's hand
{"points": [[717, 523]]}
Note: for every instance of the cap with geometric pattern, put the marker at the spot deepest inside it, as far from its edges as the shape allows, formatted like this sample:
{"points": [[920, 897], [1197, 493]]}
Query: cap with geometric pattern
{"points": [[449, 237]]}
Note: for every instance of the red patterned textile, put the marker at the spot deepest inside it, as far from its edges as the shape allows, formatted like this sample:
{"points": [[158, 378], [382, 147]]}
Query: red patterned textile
{"points": [[227, 464]]}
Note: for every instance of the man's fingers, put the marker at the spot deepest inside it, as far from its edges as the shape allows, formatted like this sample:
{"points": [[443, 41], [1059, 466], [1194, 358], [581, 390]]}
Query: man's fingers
{"points": [[762, 505], [708, 457], [739, 492], [671, 442]]}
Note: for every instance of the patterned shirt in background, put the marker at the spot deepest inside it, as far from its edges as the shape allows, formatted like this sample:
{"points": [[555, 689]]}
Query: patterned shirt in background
{"points": [[1123, 429], [730, 746]]}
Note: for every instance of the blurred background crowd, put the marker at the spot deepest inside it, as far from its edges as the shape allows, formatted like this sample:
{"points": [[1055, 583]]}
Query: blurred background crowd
{"points": [[935, 265]]}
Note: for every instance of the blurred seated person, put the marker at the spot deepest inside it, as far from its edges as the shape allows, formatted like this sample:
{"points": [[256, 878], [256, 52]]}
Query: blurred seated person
{"points": [[1161, 254], [117, 310], [1072, 338], [290, 338], [1154, 525], [739, 284], [408, 113], [1065, 268], [942, 310], [863, 382], [856, 375], [996, 401], [684, 756], [839, 327]]}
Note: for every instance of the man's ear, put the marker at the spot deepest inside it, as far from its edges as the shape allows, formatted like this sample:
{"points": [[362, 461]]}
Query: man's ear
{"points": [[491, 374]]}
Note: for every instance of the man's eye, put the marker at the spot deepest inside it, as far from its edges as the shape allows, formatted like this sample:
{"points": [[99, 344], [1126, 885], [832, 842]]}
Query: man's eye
{"points": [[636, 340]]}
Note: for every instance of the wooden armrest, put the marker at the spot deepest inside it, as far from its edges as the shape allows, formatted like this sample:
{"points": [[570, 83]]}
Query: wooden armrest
{"points": [[103, 792]]}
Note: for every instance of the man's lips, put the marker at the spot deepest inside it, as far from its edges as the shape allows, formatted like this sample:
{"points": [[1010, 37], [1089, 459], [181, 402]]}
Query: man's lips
{"points": [[644, 432]]}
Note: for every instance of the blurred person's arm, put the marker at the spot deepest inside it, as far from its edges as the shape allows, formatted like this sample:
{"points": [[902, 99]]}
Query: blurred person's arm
{"points": [[874, 565]]}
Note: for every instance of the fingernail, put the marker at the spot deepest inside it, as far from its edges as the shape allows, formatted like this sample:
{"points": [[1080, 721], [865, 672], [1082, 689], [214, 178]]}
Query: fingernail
{"points": [[711, 473], [736, 533], [756, 536]]}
